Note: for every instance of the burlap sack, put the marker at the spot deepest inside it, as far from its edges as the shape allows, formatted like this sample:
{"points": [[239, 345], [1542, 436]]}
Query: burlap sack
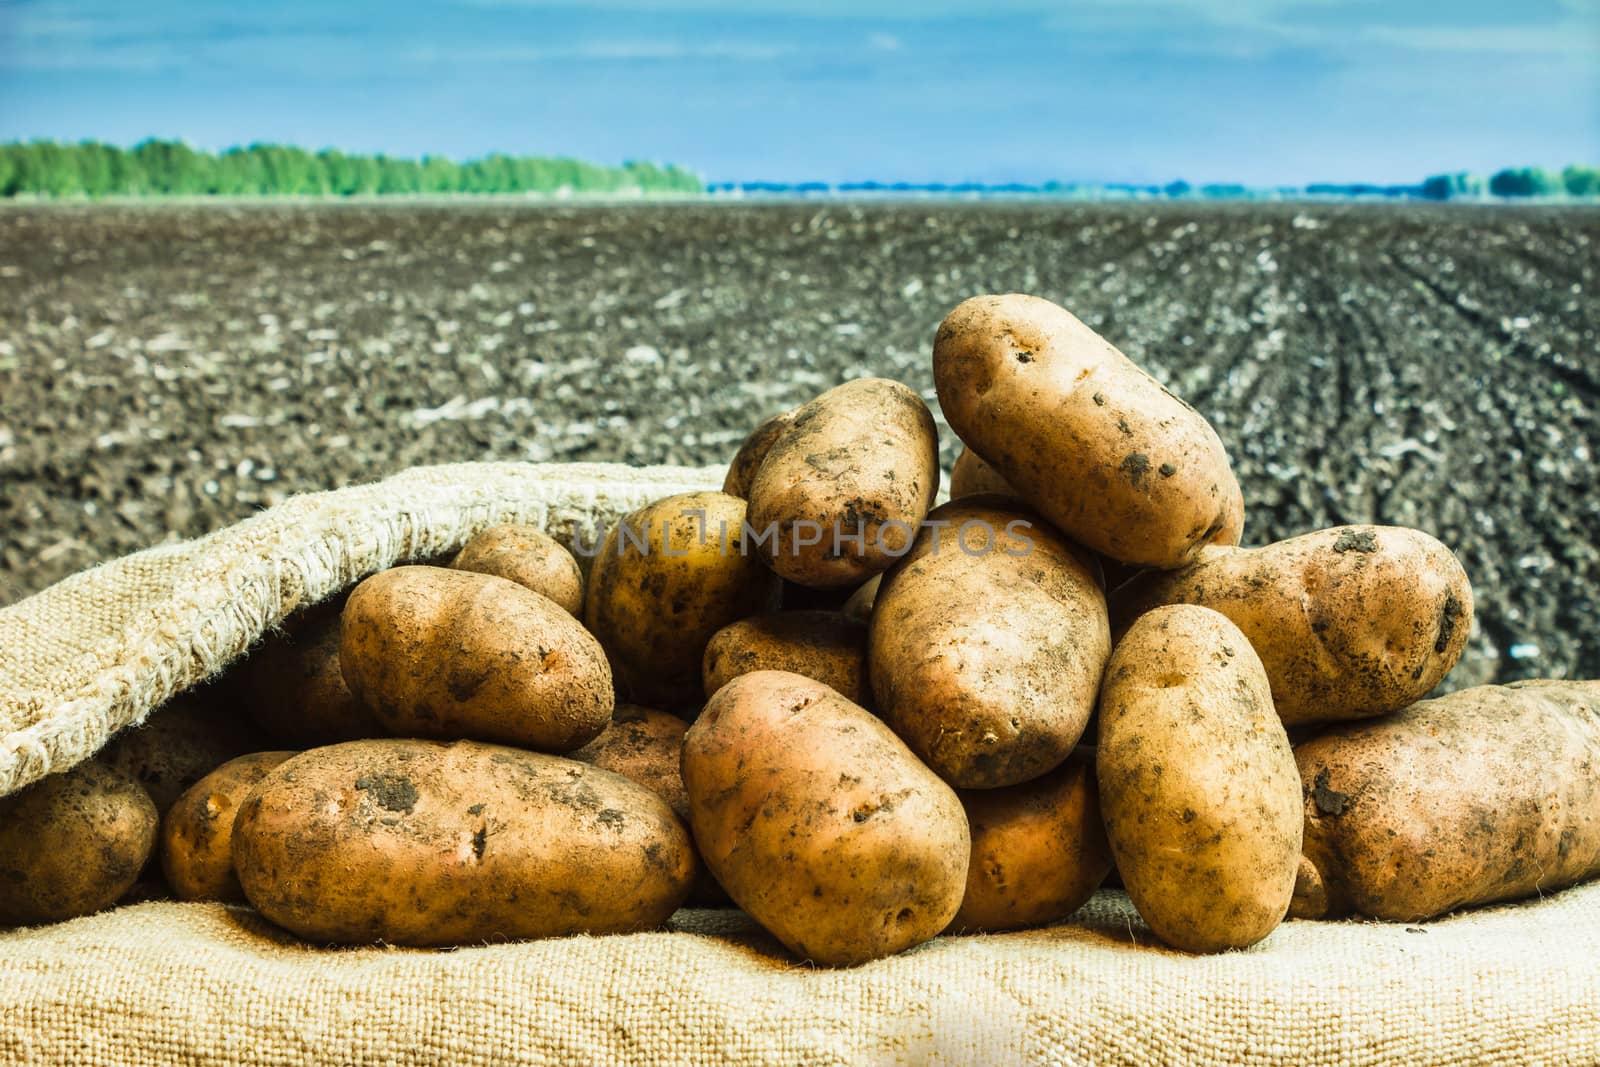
{"points": [[202, 984]]}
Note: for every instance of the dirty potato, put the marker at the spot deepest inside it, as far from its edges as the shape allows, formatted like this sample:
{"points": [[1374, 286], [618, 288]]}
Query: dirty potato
{"points": [[1197, 781], [452, 654], [843, 488], [1091, 441], [182, 741], [971, 476], [196, 843], [820, 823], [427, 843], [1486, 794], [742, 471], [528, 556], [668, 576], [827, 646], [642, 744], [293, 687], [1350, 622], [987, 644]]}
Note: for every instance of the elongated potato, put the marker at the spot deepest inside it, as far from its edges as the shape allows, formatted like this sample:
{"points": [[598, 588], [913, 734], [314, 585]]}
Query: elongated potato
{"points": [[1350, 622], [1099, 447], [1039, 850], [294, 689], [452, 654], [841, 491], [820, 822], [72, 843], [196, 843], [827, 646], [528, 556], [972, 476], [669, 576], [987, 644], [1486, 794], [742, 471], [427, 843], [1197, 781]]}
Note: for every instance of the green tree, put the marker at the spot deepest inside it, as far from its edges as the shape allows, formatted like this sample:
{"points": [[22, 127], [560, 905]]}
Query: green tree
{"points": [[1581, 181], [1524, 181]]}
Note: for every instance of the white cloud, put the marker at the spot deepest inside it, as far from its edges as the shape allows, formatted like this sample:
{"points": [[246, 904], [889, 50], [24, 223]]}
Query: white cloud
{"points": [[663, 50], [1518, 40], [883, 42]]}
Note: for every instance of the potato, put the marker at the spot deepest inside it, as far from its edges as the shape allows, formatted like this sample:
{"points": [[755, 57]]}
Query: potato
{"points": [[987, 644], [1039, 850], [1095, 444], [1486, 794], [827, 646], [843, 488], [452, 654], [742, 471], [196, 843], [72, 843], [861, 602], [1197, 782], [528, 556], [295, 691], [820, 822], [1350, 622], [972, 476], [427, 843], [182, 741], [668, 577]]}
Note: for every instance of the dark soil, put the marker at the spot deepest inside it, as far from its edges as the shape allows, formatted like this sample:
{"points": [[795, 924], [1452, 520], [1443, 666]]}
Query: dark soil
{"points": [[166, 370]]}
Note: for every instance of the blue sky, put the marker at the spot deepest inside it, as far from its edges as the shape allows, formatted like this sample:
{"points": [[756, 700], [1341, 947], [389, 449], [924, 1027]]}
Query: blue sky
{"points": [[1259, 91]]}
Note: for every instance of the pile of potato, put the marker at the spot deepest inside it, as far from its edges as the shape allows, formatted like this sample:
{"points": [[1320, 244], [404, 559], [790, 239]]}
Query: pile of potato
{"points": [[864, 719]]}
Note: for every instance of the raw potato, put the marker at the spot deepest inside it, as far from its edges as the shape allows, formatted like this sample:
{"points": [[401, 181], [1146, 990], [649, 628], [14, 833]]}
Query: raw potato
{"points": [[827, 646], [987, 644], [182, 741], [197, 833], [426, 843], [1039, 850], [820, 822], [1098, 446], [843, 488], [72, 843], [1350, 622], [862, 601], [295, 691], [971, 476], [528, 556], [642, 745], [1487, 794], [452, 654], [668, 577], [1197, 782], [742, 471]]}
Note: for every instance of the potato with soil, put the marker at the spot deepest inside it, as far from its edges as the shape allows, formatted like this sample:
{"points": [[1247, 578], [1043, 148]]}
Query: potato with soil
{"points": [[528, 556], [668, 577], [1039, 850], [1486, 794], [196, 843], [828, 646], [294, 689], [428, 843], [1351, 622], [1090, 440], [820, 823], [643, 745], [1197, 782], [843, 488], [453, 654], [182, 741], [971, 476], [987, 644], [742, 471], [72, 843]]}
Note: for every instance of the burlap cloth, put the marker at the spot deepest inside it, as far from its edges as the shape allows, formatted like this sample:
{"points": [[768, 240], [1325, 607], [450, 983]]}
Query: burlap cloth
{"points": [[203, 984]]}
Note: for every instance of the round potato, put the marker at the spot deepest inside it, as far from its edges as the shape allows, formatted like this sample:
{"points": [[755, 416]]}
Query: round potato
{"points": [[72, 843], [668, 577], [828, 646], [295, 691], [1198, 786], [971, 476], [453, 654], [1099, 447], [987, 644], [197, 832], [181, 742], [528, 556], [1350, 622], [842, 490], [1039, 850], [742, 471], [820, 823], [426, 843]]}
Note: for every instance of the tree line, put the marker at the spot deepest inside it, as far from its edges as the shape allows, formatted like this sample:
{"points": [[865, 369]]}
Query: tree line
{"points": [[172, 168], [1575, 181]]}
